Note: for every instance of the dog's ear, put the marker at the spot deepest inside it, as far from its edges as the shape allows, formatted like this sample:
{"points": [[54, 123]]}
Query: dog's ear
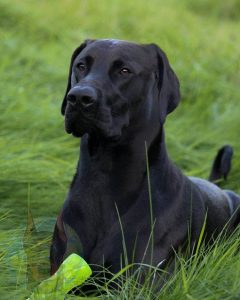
{"points": [[74, 55], [168, 84]]}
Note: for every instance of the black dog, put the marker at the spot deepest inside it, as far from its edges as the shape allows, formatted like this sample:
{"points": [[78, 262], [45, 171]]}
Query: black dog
{"points": [[117, 98]]}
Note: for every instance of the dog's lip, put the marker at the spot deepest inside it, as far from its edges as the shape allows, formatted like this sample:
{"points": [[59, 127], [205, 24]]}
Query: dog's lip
{"points": [[114, 139], [76, 134], [101, 133], [68, 126], [93, 126]]}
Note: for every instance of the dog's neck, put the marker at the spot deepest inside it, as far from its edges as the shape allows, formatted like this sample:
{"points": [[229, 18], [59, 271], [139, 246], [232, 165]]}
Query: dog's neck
{"points": [[105, 154], [124, 166]]}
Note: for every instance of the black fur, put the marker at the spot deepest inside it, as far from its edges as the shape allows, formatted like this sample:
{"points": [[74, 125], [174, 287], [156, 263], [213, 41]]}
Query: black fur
{"points": [[118, 96]]}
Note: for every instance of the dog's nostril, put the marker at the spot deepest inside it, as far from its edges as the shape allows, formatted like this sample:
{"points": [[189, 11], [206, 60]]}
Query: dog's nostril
{"points": [[72, 99], [84, 97], [87, 100]]}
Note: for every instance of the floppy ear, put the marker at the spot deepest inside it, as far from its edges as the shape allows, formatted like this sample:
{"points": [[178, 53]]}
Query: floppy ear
{"points": [[74, 55], [168, 85]]}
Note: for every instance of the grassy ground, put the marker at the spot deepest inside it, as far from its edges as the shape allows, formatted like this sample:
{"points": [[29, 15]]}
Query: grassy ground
{"points": [[38, 159]]}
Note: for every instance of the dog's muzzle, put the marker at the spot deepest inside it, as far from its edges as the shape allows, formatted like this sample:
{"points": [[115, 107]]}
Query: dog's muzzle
{"points": [[88, 112]]}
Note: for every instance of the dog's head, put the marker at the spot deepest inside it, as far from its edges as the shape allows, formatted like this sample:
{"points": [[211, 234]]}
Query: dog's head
{"points": [[114, 86]]}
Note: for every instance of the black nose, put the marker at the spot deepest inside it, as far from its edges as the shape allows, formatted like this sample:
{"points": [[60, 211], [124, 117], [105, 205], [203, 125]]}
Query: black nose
{"points": [[86, 97]]}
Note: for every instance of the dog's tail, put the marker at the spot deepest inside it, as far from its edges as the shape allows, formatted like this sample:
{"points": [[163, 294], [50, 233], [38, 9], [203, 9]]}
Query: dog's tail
{"points": [[221, 164]]}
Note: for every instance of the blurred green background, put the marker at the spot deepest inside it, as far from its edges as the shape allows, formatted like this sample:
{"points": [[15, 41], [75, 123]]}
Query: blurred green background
{"points": [[38, 159]]}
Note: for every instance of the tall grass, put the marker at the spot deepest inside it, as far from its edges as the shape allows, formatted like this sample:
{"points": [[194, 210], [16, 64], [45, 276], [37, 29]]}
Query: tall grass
{"points": [[210, 273], [201, 39]]}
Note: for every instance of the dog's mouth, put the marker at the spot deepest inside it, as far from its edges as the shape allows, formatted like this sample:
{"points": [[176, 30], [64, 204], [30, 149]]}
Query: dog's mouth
{"points": [[102, 124]]}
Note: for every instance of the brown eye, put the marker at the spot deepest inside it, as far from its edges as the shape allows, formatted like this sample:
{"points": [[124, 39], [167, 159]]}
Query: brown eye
{"points": [[125, 71], [81, 67]]}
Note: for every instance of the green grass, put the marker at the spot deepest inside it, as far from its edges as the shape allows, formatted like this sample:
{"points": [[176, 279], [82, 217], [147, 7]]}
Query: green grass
{"points": [[37, 161]]}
